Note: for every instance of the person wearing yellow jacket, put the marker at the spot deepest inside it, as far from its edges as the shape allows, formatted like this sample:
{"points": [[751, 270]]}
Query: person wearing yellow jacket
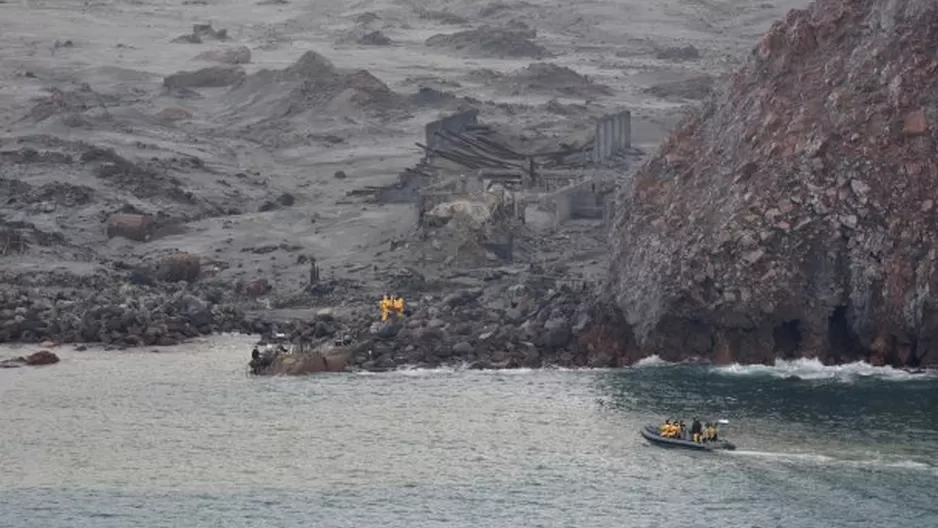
{"points": [[397, 304], [385, 305]]}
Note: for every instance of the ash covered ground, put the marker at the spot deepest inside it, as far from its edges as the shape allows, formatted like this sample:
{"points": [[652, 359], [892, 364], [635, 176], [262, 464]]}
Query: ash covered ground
{"points": [[245, 128]]}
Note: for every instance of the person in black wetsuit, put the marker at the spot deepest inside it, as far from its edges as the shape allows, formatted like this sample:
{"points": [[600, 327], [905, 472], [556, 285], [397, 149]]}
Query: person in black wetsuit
{"points": [[260, 361], [255, 361], [696, 431]]}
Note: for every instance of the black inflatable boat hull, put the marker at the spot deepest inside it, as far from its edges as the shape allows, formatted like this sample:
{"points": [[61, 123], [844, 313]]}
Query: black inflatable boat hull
{"points": [[650, 433]]}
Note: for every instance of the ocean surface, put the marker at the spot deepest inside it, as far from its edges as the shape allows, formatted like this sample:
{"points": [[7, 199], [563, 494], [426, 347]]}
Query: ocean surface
{"points": [[186, 438]]}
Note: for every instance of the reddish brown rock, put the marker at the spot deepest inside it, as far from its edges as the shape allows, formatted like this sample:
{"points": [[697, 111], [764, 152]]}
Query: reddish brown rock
{"points": [[43, 357], [792, 215]]}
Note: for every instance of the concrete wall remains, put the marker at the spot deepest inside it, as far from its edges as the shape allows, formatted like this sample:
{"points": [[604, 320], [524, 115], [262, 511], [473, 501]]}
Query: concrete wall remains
{"points": [[454, 123], [613, 135], [586, 199]]}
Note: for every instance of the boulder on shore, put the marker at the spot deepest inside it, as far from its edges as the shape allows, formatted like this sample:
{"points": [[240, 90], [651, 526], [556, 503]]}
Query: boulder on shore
{"points": [[43, 357]]}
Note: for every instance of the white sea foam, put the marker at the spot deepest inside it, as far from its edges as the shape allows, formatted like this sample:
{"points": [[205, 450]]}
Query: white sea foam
{"points": [[651, 361], [813, 369]]}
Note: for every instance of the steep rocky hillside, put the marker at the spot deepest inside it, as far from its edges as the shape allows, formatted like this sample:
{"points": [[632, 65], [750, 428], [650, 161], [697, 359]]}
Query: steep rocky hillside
{"points": [[794, 215]]}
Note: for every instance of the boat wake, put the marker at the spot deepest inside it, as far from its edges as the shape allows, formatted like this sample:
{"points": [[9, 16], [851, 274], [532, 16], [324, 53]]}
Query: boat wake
{"points": [[872, 461], [813, 369]]}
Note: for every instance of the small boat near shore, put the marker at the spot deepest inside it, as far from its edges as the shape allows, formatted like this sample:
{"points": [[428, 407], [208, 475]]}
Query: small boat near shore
{"points": [[651, 434]]}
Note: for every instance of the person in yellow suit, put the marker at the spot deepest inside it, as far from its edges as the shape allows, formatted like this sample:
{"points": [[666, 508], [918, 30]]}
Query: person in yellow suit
{"points": [[385, 306], [397, 305]]}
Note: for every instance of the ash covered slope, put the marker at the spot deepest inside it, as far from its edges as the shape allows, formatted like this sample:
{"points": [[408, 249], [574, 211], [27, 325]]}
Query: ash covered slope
{"points": [[795, 214]]}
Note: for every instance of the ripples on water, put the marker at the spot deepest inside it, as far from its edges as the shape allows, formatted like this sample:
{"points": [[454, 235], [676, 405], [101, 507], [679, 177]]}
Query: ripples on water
{"points": [[185, 438]]}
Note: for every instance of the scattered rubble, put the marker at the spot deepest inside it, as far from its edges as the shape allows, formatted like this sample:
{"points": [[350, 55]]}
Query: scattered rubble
{"points": [[236, 55], [366, 18], [212, 77], [499, 9], [694, 88], [374, 38], [541, 77], [678, 53], [173, 114], [202, 32], [443, 17], [490, 41], [66, 102]]}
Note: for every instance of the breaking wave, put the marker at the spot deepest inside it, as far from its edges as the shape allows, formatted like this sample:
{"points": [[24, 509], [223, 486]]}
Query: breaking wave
{"points": [[813, 369], [651, 361]]}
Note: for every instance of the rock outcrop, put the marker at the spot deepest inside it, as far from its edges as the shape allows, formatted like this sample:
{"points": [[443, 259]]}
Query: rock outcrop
{"points": [[794, 214], [43, 357]]}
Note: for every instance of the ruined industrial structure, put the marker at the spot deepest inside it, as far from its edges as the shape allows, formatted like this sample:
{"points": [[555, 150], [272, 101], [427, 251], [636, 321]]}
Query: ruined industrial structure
{"points": [[473, 191]]}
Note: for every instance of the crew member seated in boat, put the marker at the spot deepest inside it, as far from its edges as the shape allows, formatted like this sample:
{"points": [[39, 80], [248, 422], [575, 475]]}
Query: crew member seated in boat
{"points": [[682, 430], [664, 428], [714, 436], [673, 430]]}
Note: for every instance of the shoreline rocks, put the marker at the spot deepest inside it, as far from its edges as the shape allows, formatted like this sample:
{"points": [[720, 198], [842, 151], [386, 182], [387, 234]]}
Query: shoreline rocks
{"points": [[537, 322], [115, 313]]}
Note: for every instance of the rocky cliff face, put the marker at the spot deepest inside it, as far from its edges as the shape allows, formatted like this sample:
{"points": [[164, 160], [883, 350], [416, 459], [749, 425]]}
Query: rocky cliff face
{"points": [[795, 214]]}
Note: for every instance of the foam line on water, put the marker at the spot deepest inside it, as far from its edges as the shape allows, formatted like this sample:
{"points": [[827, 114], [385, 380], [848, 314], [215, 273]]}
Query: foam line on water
{"points": [[442, 371], [813, 369]]}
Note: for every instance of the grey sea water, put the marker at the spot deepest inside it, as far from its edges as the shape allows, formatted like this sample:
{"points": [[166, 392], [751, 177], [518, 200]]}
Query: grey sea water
{"points": [[186, 438]]}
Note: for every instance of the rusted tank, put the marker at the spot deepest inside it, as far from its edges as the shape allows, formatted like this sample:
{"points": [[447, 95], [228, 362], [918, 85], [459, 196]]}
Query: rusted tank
{"points": [[136, 227]]}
